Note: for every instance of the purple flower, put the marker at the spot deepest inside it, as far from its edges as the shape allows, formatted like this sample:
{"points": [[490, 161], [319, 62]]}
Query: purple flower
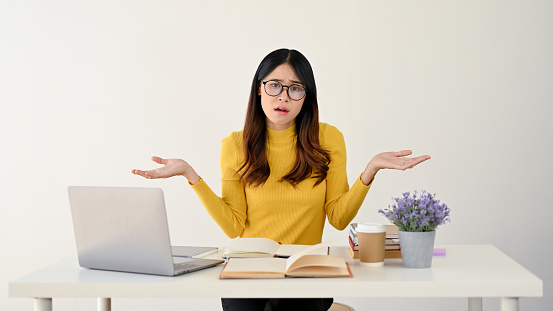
{"points": [[419, 212]]}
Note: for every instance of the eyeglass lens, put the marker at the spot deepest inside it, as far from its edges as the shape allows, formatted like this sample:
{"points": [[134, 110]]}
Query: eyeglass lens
{"points": [[274, 88]]}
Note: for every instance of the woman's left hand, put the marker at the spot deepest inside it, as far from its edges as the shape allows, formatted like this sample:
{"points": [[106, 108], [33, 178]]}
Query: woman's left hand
{"points": [[390, 160]]}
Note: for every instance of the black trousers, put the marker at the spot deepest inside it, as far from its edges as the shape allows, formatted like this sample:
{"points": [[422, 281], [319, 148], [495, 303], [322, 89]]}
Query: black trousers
{"points": [[276, 304]]}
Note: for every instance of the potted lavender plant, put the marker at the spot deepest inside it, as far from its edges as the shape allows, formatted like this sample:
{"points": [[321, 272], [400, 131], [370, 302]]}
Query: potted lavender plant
{"points": [[417, 216]]}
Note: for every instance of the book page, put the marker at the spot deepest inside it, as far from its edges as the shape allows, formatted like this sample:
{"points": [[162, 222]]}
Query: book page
{"points": [[290, 261], [251, 246], [256, 265], [317, 265], [287, 250]]}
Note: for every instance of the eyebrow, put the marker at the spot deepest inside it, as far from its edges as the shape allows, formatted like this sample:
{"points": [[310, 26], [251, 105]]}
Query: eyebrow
{"points": [[280, 80]]}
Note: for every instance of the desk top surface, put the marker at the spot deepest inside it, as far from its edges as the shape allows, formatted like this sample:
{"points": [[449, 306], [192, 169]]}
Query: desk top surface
{"points": [[466, 271]]}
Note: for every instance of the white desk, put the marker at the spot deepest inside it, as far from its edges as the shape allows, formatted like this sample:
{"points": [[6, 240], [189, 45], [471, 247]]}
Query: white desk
{"points": [[472, 271]]}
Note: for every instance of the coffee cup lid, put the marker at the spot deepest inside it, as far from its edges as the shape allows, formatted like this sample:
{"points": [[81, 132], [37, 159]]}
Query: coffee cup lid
{"points": [[370, 227]]}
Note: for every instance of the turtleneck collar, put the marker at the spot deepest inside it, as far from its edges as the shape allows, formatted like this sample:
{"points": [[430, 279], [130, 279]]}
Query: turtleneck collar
{"points": [[281, 136]]}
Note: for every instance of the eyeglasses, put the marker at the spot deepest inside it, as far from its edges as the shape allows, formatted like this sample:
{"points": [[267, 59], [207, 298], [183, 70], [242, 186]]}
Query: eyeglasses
{"points": [[274, 88]]}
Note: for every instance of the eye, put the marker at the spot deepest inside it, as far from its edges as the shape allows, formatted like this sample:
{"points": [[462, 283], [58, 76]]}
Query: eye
{"points": [[296, 88], [274, 85]]}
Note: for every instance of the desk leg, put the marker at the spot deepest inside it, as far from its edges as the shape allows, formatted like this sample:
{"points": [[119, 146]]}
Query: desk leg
{"points": [[475, 303], [509, 304], [104, 304], [43, 304]]}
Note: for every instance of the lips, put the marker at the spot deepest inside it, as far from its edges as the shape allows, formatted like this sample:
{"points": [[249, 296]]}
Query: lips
{"points": [[281, 110]]}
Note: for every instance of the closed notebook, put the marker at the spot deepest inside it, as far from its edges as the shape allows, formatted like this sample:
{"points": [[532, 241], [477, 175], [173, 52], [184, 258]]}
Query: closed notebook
{"points": [[301, 264]]}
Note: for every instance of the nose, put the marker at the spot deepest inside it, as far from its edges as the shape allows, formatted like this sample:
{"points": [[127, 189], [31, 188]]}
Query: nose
{"points": [[284, 94]]}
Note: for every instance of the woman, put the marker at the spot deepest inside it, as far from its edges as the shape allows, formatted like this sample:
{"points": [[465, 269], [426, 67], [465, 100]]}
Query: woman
{"points": [[285, 172]]}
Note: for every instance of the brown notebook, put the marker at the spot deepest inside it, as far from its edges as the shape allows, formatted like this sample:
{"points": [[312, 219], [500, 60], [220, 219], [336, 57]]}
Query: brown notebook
{"points": [[301, 264]]}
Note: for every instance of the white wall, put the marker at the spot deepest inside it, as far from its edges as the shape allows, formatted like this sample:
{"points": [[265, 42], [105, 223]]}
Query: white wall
{"points": [[91, 89]]}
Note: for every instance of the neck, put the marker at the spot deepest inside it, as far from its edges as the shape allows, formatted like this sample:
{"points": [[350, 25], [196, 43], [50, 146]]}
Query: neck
{"points": [[280, 127], [280, 136]]}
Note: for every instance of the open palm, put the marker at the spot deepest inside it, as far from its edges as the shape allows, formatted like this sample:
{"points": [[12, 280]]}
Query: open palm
{"points": [[397, 160], [170, 168]]}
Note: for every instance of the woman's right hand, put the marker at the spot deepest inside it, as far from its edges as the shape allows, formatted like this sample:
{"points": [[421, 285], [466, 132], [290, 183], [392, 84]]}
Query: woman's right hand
{"points": [[170, 168]]}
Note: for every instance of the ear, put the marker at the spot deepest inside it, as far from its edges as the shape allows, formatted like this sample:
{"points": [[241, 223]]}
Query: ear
{"points": [[259, 89]]}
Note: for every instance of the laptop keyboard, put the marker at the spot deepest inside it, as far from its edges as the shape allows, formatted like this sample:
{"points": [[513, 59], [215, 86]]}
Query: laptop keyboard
{"points": [[184, 266]]}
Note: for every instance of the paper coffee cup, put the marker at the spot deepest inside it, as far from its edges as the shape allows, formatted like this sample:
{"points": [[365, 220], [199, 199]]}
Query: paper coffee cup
{"points": [[371, 238]]}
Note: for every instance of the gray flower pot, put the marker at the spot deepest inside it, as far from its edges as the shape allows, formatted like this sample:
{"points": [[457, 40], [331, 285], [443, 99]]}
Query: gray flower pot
{"points": [[417, 248]]}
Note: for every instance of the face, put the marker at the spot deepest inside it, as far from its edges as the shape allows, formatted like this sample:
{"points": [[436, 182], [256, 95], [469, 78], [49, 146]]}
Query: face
{"points": [[280, 110]]}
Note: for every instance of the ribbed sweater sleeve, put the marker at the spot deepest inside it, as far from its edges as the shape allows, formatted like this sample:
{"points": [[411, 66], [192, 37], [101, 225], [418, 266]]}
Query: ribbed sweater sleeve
{"points": [[342, 203], [228, 211]]}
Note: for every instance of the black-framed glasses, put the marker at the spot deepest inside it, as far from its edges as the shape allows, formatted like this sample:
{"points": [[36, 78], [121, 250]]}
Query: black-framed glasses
{"points": [[274, 88]]}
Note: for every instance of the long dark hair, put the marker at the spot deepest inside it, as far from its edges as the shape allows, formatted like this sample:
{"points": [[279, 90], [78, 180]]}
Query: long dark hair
{"points": [[311, 158]]}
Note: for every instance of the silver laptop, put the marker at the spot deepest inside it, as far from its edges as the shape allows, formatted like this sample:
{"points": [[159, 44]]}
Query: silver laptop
{"points": [[125, 229]]}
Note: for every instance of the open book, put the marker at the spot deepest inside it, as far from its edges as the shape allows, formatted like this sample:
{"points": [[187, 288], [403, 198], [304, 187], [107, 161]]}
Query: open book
{"points": [[301, 264], [261, 247]]}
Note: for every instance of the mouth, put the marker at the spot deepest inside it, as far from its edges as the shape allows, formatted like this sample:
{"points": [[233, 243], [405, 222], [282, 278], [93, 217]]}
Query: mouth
{"points": [[281, 110]]}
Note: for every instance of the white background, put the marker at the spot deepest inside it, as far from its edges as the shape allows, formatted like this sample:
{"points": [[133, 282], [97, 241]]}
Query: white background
{"points": [[90, 90]]}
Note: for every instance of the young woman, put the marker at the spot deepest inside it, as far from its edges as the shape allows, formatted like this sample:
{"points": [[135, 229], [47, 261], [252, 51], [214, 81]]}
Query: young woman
{"points": [[285, 172]]}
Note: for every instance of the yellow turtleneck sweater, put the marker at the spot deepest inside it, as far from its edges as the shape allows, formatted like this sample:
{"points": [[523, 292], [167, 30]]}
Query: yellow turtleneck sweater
{"points": [[276, 210]]}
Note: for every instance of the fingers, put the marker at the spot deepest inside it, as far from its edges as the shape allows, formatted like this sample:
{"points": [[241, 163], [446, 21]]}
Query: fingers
{"points": [[394, 160], [412, 162], [402, 153], [139, 173], [159, 160], [398, 162], [146, 174], [424, 158], [152, 174]]}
